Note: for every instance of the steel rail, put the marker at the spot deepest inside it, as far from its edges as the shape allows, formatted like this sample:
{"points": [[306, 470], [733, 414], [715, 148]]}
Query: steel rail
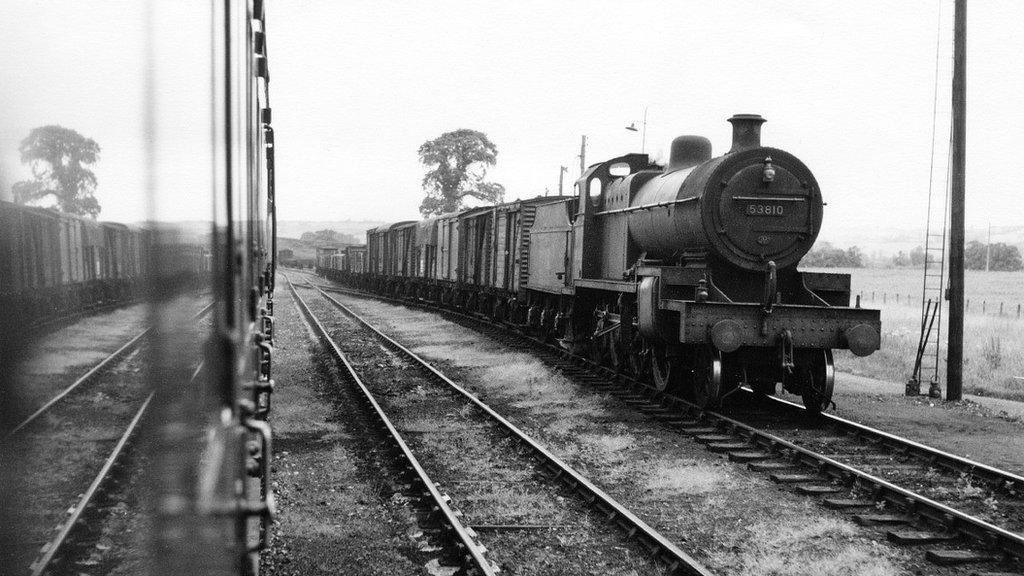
{"points": [[915, 449], [933, 512], [677, 561], [89, 375], [473, 559], [927, 509], [910, 447], [51, 549]]}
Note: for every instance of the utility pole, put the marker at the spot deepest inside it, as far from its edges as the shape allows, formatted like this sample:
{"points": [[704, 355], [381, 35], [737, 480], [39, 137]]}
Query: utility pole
{"points": [[583, 154], [958, 169], [643, 135], [988, 248], [561, 178]]}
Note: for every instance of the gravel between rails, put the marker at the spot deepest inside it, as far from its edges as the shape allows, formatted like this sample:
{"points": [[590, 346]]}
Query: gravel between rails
{"points": [[337, 513], [61, 453], [742, 522], [529, 526], [65, 450]]}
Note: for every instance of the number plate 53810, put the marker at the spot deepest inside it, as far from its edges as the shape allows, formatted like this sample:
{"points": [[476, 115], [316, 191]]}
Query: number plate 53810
{"points": [[754, 209]]}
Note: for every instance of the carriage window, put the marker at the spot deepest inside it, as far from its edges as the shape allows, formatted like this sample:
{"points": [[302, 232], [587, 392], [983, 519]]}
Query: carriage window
{"points": [[619, 169], [595, 190]]}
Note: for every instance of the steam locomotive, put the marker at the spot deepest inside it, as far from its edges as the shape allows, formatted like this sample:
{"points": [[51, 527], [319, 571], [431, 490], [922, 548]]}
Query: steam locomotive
{"points": [[684, 275]]}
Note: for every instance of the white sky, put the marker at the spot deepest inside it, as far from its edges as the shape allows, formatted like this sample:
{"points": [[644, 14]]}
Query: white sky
{"points": [[357, 87]]}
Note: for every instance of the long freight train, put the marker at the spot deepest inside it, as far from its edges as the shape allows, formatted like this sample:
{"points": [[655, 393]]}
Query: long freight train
{"points": [[54, 265], [685, 275]]}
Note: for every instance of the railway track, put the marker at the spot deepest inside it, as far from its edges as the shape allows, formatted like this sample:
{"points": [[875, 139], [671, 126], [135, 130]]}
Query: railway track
{"points": [[89, 376], [76, 447], [913, 492], [463, 539], [82, 518]]}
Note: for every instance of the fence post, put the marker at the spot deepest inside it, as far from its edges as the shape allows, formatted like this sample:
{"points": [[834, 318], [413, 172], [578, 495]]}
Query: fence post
{"points": [[968, 307], [897, 297], [1018, 311], [872, 295], [982, 306], [1000, 308]]}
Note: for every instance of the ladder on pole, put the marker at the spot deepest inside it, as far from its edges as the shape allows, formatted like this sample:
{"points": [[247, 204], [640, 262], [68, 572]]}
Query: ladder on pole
{"points": [[929, 354]]}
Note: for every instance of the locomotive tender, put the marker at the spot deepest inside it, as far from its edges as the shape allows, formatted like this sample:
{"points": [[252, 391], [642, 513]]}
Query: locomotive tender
{"points": [[684, 275]]}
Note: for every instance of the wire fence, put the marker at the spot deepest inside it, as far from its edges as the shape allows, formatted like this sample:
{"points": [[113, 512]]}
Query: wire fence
{"points": [[984, 307]]}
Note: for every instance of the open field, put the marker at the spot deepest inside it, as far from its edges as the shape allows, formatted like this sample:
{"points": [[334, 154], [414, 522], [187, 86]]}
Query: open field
{"points": [[992, 288], [993, 345]]}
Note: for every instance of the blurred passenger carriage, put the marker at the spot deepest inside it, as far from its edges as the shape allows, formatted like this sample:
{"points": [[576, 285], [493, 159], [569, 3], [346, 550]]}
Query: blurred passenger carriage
{"points": [[54, 265], [684, 275]]}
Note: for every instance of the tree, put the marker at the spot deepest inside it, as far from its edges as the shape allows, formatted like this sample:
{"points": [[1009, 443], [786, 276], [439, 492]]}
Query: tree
{"points": [[854, 257], [458, 162], [1006, 257], [58, 157], [917, 256], [825, 255], [974, 255], [1002, 256], [326, 236]]}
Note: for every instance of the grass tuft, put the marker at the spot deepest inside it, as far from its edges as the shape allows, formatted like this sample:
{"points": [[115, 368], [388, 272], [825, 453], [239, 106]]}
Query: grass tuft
{"points": [[687, 477], [794, 548]]}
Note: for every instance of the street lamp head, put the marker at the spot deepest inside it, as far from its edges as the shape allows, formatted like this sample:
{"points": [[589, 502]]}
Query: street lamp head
{"points": [[632, 127]]}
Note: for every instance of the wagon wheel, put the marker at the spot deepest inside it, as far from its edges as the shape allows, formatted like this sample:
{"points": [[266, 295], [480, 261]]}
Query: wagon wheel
{"points": [[616, 352], [608, 351], [595, 351], [601, 347], [706, 386], [637, 354], [817, 381], [665, 368]]}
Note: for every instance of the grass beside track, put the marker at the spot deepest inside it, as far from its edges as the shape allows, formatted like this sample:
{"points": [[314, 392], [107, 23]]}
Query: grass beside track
{"points": [[736, 522], [993, 345]]}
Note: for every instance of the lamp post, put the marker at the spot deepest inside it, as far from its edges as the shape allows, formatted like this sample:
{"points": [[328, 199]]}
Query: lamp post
{"points": [[643, 134]]}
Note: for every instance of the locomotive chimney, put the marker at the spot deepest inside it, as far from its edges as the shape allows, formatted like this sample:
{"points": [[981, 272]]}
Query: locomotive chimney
{"points": [[689, 151], [746, 131]]}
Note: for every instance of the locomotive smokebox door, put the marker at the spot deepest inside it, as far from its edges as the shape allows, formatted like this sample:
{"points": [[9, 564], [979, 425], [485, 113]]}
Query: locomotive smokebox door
{"points": [[767, 210]]}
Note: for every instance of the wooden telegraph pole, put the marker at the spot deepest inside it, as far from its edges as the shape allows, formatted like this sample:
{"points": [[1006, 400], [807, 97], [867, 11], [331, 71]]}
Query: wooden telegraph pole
{"points": [[583, 155], [955, 347], [561, 178]]}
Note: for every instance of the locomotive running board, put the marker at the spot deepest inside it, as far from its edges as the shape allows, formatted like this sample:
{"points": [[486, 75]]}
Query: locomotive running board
{"points": [[810, 326]]}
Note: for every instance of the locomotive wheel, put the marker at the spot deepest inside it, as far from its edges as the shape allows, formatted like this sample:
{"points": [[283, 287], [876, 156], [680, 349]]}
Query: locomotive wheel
{"points": [[637, 357], [818, 380], [706, 387], [665, 368]]}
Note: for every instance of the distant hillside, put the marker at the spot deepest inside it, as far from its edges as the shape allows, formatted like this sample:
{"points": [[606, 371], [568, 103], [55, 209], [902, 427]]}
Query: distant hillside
{"points": [[300, 249], [872, 240], [883, 240], [295, 228]]}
